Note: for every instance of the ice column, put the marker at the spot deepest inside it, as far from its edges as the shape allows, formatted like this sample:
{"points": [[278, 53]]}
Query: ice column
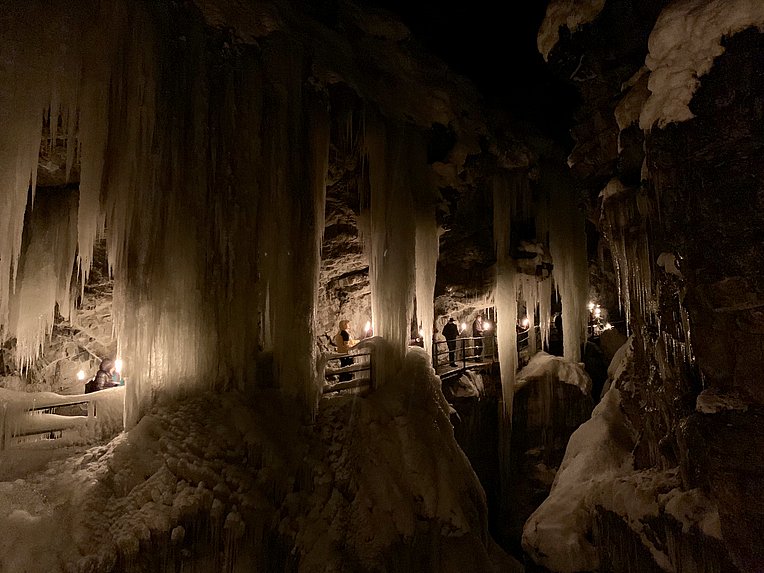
{"points": [[391, 238], [505, 188], [297, 148], [41, 55], [625, 216], [567, 244], [427, 236], [45, 269]]}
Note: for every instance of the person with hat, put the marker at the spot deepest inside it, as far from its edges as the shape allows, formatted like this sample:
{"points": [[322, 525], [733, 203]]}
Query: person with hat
{"points": [[451, 332]]}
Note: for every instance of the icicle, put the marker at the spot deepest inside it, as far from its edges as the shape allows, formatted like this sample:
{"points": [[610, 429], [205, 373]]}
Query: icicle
{"points": [[392, 237], [621, 214], [567, 244], [427, 237], [506, 284]]}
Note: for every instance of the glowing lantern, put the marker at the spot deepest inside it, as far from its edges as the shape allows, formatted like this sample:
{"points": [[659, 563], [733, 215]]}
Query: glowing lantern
{"points": [[486, 326], [525, 322], [81, 375]]}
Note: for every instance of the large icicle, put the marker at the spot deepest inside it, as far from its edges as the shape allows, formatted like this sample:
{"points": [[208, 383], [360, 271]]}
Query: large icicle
{"points": [[505, 190], [39, 78], [45, 268], [625, 216], [427, 238], [567, 244], [297, 154], [392, 237]]}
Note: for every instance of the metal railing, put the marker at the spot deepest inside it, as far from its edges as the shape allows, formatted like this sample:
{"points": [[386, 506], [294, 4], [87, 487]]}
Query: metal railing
{"points": [[475, 351], [357, 375], [467, 351], [25, 424]]}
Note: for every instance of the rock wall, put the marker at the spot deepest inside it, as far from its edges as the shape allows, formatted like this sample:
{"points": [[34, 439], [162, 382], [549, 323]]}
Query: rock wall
{"points": [[678, 207]]}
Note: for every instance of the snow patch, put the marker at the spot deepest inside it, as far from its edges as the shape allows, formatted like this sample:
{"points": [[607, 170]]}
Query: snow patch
{"points": [[571, 14], [693, 509], [710, 402], [683, 45], [545, 366]]}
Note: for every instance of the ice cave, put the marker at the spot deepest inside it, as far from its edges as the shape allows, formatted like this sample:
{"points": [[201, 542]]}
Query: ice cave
{"points": [[311, 286]]}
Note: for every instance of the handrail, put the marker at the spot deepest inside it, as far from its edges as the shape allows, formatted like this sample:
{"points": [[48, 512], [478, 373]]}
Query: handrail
{"points": [[465, 349], [49, 403], [359, 381]]}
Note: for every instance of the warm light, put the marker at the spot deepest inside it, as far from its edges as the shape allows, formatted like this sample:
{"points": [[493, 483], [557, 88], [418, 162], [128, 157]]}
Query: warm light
{"points": [[367, 328], [464, 326], [526, 322], [486, 326], [81, 375], [118, 365], [590, 306], [421, 332], [597, 312]]}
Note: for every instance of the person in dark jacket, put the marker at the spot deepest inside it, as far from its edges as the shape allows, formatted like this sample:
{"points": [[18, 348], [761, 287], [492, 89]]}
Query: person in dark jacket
{"points": [[102, 379], [451, 332], [477, 333]]}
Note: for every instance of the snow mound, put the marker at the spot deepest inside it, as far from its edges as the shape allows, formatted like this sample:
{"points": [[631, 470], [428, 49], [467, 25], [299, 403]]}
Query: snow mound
{"points": [[682, 47], [544, 366], [556, 534], [571, 14]]}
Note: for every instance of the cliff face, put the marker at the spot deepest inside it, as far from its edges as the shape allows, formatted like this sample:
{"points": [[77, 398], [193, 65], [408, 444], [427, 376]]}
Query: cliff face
{"points": [[675, 196]]}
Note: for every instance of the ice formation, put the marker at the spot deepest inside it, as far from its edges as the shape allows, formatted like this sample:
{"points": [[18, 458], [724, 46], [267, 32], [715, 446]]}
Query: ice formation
{"points": [[506, 189], [623, 211], [210, 211], [572, 14], [516, 290], [683, 45], [231, 481], [402, 244], [567, 244]]}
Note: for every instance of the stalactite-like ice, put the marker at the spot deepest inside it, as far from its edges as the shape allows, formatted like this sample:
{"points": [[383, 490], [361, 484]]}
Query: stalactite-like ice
{"points": [[45, 270], [506, 188], [391, 238], [209, 168], [567, 244], [427, 237], [625, 216], [41, 55]]}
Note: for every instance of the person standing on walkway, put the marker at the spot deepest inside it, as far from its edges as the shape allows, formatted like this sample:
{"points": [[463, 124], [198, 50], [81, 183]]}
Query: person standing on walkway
{"points": [[344, 344], [477, 333], [451, 332]]}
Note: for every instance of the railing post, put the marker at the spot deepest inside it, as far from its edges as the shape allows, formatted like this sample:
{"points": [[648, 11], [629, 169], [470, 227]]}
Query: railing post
{"points": [[91, 417]]}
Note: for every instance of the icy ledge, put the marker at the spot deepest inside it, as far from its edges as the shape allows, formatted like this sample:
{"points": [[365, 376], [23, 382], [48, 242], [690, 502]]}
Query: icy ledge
{"points": [[596, 476], [571, 14], [682, 47]]}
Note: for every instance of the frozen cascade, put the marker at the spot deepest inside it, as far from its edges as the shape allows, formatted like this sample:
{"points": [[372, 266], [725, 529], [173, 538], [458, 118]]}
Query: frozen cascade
{"points": [[425, 197], [45, 269], [391, 237], [505, 192], [40, 81], [427, 245], [625, 216], [213, 216], [567, 244]]}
